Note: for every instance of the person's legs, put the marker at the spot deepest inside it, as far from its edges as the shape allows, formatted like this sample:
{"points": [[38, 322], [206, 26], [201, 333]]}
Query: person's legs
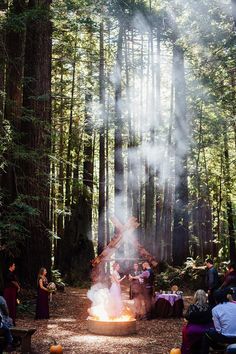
{"points": [[7, 334], [213, 339], [148, 302]]}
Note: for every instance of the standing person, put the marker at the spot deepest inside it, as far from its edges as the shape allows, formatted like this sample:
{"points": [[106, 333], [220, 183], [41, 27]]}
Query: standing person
{"points": [[136, 292], [147, 277], [11, 289], [224, 315], [115, 292], [212, 281], [42, 304], [135, 286], [230, 279]]}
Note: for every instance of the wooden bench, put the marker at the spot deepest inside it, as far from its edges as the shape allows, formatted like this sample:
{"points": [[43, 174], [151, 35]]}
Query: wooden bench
{"points": [[24, 336]]}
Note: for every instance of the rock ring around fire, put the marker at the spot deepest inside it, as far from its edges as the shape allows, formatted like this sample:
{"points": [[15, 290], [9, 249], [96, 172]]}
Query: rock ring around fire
{"points": [[112, 328]]}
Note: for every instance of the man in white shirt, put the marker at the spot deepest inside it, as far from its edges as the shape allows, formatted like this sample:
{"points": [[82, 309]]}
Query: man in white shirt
{"points": [[224, 315]]}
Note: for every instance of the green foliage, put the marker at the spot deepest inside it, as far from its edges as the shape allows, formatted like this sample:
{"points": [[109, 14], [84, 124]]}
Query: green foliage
{"points": [[57, 278], [13, 229]]}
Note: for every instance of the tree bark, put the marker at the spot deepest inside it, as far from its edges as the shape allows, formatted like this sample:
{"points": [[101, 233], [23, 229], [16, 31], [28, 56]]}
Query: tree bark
{"points": [[35, 128], [102, 196], [15, 41], [180, 230], [118, 158], [229, 206]]}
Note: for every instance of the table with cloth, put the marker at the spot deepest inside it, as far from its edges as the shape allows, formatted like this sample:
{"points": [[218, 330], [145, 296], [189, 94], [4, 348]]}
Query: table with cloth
{"points": [[168, 305]]}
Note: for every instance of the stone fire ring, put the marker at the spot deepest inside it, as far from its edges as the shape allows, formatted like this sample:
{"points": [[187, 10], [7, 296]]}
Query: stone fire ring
{"points": [[112, 328]]}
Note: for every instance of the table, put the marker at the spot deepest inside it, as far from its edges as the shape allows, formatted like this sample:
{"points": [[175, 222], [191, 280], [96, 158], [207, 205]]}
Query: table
{"points": [[168, 305]]}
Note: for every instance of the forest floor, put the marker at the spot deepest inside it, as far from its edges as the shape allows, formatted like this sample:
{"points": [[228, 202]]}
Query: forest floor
{"points": [[68, 326]]}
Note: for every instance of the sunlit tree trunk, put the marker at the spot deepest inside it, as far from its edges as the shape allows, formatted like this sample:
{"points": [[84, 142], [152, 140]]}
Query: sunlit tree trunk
{"points": [[60, 204], [102, 162], [118, 162], [70, 144], [166, 216], [159, 197], [180, 230], [227, 177]]}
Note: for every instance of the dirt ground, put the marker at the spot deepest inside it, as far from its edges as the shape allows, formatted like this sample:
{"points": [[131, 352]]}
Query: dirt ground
{"points": [[68, 326]]}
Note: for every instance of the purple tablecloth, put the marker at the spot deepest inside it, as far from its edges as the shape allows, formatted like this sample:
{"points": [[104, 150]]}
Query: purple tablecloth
{"points": [[172, 298], [168, 305]]}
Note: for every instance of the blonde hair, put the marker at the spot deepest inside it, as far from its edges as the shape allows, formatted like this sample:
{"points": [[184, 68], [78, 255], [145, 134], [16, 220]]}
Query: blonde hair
{"points": [[114, 265], [200, 297]]}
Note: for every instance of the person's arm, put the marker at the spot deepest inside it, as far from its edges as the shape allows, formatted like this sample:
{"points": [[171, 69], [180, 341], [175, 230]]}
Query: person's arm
{"points": [[226, 282], [41, 285], [187, 314], [216, 320], [115, 278], [16, 284], [4, 309], [144, 274]]}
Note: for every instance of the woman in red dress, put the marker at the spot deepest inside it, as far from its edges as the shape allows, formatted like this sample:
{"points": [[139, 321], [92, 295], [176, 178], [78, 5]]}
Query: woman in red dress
{"points": [[42, 305], [11, 289]]}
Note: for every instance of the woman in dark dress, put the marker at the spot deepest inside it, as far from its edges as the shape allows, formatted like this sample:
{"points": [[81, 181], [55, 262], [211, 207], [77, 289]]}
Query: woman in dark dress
{"points": [[230, 279], [199, 319], [11, 289], [42, 305]]}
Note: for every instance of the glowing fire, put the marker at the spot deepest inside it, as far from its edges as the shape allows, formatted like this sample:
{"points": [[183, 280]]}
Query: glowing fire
{"points": [[101, 308], [100, 314]]}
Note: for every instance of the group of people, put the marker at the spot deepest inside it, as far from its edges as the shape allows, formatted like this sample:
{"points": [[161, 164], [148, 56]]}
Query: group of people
{"points": [[211, 320], [8, 302], [141, 290]]}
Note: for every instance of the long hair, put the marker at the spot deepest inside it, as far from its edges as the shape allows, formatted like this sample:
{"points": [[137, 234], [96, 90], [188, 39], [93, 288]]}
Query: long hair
{"points": [[114, 265], [200, 297], [40, 273]]}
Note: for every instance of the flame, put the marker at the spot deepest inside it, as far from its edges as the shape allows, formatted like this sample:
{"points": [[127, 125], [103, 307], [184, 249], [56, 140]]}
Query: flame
{"points": [[102, 306], [99, 313]]}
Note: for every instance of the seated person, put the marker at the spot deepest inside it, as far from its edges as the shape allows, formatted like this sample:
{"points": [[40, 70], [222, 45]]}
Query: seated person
{"points": [[4, 313], [199, 319], [230, 279], [224, 315], [5, 323]]}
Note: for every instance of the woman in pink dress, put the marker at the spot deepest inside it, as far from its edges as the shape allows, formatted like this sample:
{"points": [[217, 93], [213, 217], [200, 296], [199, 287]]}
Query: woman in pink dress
{"points": [[115, 292]]}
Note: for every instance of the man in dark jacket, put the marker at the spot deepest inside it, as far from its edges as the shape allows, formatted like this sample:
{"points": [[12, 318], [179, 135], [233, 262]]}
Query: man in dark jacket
{"points": [[212, 281]]}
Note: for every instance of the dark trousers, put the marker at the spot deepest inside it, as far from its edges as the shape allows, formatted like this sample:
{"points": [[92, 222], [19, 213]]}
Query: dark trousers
{"points": [[148, 293], [211, 299], [214, 340]]}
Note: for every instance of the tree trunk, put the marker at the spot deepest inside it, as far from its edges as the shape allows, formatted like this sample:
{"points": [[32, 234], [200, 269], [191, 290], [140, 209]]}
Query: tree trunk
{"points": [[118, 158], [233, 2], [15, 41], [35, 128], [2, 77], [180, 230], [102, 196], [231, 230]]}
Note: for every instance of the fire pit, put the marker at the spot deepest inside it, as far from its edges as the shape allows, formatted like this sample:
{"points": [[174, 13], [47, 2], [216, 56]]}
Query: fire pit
{"points": [[112, 328]]}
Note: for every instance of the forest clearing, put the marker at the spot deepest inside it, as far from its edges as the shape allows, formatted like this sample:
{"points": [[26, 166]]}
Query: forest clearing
{"points": [[68, 327]]}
